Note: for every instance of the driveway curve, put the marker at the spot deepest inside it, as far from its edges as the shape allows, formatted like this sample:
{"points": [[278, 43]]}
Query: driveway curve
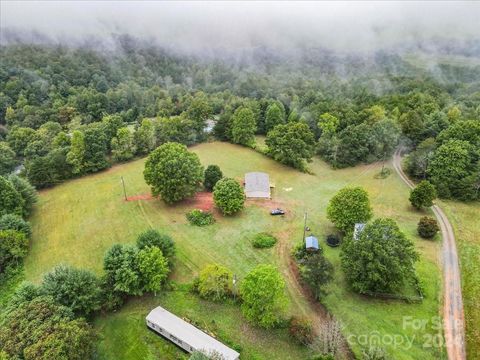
{"points": [[453, 317]]}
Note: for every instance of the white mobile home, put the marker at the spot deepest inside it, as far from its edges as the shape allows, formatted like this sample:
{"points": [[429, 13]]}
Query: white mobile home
{"points": [[185, 335]]}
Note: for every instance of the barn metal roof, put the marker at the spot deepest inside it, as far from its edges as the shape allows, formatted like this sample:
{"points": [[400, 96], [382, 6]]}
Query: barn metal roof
{"points": [[257, 184], [189, 334], [311, 242]]}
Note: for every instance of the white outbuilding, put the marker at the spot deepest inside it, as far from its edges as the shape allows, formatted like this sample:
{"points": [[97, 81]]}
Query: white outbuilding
{"points": [[257, 185], [185, 335]]}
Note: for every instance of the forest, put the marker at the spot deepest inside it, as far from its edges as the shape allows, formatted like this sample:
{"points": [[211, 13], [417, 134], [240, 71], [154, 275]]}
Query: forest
{"points": [[65, 112], [70, 111]]}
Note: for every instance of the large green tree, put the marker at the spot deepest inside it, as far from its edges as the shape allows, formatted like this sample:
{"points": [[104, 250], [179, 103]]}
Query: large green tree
{"points": [[153, 268], [7, 159], [263, 295], [422, 195], [13, 248], [349, 206], [41, 329], [291, 144], [380, 259], [275, 115], [451, 168], [26, 191], [173, 172], [229, 196], [122, 145], [74, 288], [121, 269], [164, 242], [11, 200], [244, 126], [215, 282]]}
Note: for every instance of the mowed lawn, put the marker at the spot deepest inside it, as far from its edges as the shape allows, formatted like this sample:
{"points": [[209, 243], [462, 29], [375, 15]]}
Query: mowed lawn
{"points": [[465, 219], [78, 221]]}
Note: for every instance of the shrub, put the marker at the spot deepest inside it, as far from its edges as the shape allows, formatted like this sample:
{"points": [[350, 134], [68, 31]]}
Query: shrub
{"points": [[153, 237], [200, 218], [427, 227], [15, 222], [228, 196], [263, 240], [215, 282], [212, 175], [301, 330]]}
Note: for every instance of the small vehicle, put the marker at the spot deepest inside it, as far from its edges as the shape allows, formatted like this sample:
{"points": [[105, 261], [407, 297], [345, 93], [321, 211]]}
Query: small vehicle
{"points": [[277, 211]]}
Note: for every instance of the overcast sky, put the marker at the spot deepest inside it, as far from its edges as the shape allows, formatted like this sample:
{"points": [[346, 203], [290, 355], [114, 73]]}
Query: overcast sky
{"points": [[192, 25]]}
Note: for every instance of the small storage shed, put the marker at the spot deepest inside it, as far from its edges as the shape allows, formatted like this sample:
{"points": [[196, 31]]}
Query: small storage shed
{"points": [[257, 185], [185, 335], [311, 243], [357, 230]]}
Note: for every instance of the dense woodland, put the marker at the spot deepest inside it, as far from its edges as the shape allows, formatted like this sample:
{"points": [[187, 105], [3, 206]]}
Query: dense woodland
{"points": [[65, 112]]}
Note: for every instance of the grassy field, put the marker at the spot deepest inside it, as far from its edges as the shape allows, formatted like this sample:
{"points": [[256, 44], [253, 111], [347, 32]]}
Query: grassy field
{"points": [[78, 221], [466, 224]]}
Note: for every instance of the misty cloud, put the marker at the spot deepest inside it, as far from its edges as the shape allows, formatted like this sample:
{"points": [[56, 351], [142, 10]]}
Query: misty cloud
{"points": [[200, 26]]}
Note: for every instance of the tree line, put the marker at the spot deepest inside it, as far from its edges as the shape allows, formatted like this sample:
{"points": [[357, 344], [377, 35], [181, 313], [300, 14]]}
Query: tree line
{"points": [[68, 112]]}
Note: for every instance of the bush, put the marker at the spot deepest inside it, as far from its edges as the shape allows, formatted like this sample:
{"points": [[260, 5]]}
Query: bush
{"points": [[153, 237], [215, 282], [427, 227], [15, 222], [228, 196], [264, 240], [212, 175], [301, 330], [200, 218]]}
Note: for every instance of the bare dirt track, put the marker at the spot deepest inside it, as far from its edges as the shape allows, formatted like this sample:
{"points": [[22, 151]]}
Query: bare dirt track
{"points": [[453, 317]]}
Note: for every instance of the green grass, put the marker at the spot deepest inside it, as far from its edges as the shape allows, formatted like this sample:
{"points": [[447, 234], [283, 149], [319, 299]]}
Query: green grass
{"points": [[78, 221], [465, 221], [223, 320]]}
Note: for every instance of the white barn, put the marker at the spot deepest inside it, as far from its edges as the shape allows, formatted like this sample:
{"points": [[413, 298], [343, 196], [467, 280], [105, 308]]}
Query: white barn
{"points": [[257, 185], [185, 335]]}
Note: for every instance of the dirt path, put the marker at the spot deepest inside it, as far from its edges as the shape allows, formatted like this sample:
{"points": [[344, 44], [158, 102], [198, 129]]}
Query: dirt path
{"points": [[453, 317], [317, 312]]}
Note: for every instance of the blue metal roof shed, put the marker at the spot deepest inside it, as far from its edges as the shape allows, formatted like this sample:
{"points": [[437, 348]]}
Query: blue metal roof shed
{"points": [[311, 243]]}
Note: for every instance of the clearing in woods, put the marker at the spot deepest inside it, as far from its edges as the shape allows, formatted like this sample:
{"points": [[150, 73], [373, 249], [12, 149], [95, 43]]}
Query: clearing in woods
{"points": [[76, 222]]}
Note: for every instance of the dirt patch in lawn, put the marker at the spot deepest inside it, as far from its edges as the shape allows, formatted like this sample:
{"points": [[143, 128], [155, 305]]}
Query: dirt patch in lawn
{"points": [[140, 197], [202, 200]]}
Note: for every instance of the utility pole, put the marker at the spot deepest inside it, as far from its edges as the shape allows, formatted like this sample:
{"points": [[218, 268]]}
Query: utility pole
{"points": [[304, 226], [234, 286], [124, 191]]}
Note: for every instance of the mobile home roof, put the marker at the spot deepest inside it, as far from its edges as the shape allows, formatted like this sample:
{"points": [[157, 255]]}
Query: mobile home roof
{"points": [[189, 333]]}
